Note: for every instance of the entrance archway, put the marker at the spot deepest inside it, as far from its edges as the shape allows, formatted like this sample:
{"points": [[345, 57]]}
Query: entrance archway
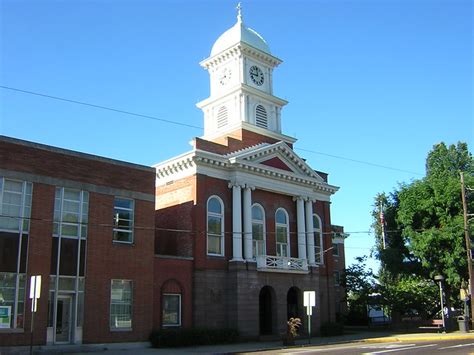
{"points": [[292, 298], [266, 301]]}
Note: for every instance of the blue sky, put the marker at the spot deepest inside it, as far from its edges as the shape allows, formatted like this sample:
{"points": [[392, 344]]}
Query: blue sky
{"points": [[368, 80]]}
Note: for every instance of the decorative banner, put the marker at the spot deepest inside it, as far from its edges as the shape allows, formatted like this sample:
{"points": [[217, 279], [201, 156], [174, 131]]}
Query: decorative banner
{"points": [[5, 316]]}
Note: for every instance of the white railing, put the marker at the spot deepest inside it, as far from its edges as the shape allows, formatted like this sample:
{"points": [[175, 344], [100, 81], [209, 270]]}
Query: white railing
{"points": [[281, 264]]}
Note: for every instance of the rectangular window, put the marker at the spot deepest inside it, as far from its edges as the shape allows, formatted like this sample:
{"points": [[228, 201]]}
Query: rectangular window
{"points": [[121, 304], [282, 242], [171, 315], [123, 220], [258, 242], [70, 213], [335, 249], [15, 213], [214, 235], [337, 278]]}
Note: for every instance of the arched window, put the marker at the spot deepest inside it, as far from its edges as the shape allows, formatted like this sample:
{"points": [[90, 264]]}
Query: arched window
{"points": [[215, 226], [318, 239], [258, 230], [222, 117], [261, 119], [282, 233]]}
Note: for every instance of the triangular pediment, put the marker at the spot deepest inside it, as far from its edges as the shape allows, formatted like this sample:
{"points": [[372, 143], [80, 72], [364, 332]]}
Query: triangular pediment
{"points": [[275, 156]]}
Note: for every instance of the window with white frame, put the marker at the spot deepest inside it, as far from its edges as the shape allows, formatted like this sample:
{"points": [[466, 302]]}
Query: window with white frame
{"points": [[282, 233], [123, 220], [215, 226], [171, 315], [258, 230], [318, 239], [121, 304]]}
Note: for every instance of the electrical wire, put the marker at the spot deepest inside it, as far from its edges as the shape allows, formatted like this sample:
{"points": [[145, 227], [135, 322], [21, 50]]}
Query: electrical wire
{"points": [[196, 127], [101, 107]]}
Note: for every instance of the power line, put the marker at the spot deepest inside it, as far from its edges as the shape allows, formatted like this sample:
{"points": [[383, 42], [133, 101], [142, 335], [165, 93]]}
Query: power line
{"points": [[100, 107], [192, 126], [359, 161]]}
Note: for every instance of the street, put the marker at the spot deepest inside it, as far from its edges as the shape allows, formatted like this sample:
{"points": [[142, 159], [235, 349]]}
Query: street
{"points": [[437, 347]]}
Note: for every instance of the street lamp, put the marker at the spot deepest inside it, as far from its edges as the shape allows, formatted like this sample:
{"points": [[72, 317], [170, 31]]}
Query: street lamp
{"points": [[440, 279]]}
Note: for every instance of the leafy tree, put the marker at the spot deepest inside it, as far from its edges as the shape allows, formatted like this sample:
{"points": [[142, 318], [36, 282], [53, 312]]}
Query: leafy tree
{"points": [[424, 231], [360, 284]]}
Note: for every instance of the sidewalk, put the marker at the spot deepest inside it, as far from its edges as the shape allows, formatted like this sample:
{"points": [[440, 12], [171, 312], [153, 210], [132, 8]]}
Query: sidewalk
{"points": [[143, 348]]}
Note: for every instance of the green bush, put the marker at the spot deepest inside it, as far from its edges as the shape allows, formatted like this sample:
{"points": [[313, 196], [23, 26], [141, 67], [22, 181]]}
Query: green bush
{"points": [[170, 338], [331, 329]]}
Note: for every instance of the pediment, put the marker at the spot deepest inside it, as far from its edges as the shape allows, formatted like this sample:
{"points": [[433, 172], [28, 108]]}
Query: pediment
{"points": [[276, 156]]}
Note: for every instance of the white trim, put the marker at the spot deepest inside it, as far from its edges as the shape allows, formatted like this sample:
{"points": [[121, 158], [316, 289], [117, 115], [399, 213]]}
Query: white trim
{"points": [[318, 231], [221, 216], [264, 231], [287, 226]]}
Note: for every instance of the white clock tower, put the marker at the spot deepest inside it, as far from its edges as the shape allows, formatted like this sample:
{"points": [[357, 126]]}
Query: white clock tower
{"points": [[240, 68]]}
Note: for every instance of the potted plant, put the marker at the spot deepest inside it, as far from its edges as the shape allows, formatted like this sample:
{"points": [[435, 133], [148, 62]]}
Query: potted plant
{"points": [[292, 326]]}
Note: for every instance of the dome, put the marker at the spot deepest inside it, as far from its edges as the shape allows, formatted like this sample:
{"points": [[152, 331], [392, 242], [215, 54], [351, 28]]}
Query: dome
{"points": [[239, 33]]}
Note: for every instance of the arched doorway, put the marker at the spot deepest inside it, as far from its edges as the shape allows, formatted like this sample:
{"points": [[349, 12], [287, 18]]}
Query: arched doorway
{"points": [[265, 307], [292, 298]]}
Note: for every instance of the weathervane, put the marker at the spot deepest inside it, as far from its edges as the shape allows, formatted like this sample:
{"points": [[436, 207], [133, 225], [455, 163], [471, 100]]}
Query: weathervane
{"points": [[239, 11]]}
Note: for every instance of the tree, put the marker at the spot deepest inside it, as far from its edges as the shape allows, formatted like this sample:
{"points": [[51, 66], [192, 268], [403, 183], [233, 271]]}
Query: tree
{"points": [[360, 284], [424, 229]]}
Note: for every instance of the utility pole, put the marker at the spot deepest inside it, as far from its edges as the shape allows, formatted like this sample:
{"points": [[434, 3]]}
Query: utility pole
{"points": [[468, 244]]}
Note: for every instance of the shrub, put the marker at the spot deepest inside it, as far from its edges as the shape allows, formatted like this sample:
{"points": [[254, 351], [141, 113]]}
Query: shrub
{"points": [[169, 338], [331, 329]]}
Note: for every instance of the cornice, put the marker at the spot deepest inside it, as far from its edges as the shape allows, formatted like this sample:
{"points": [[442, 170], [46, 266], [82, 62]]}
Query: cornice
{"points": [[237, 50], [242, 88], [198, 158]]}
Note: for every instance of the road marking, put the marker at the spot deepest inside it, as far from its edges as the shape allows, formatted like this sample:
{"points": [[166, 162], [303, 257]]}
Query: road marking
{"points": [[400, 349], [457, 346], [387, 346]]}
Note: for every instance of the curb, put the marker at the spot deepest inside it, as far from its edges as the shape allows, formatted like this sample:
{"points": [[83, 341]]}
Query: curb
{"points": [[419, 338]]}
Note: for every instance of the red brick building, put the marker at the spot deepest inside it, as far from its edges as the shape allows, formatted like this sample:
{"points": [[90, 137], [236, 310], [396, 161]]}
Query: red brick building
{"points": [[86, 225]]}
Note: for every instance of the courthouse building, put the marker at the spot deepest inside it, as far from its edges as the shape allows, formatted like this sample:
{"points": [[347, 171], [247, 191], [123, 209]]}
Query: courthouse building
{"points": [[256, 216], [229, 234]]}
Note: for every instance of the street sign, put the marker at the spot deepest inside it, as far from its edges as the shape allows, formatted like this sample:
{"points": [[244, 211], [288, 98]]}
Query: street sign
{"points": [[309, 301], [35, 291]]}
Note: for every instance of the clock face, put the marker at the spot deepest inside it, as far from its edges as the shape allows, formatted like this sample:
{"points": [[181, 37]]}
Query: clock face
{"points": [[225, 75], [256, 74]]}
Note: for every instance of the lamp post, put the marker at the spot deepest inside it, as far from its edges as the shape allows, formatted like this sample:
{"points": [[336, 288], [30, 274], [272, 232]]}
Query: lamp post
{"points": [[440, 279]]}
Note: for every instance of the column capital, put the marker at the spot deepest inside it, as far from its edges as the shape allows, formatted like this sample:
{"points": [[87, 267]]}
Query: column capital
{"points": [[298, 198], [248, 186], [235, 184]]}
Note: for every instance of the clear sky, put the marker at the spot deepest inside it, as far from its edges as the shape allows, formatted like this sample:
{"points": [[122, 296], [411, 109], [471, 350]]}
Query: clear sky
{"points": [[366, 80]]}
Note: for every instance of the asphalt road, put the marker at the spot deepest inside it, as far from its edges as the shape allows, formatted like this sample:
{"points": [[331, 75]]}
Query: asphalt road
{"points": [[431, 347]]}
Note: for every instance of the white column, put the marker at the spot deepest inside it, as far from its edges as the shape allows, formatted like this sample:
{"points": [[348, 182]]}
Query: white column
{"points": [[248, 250], [236, 223], [310, 232], [300, 224]]}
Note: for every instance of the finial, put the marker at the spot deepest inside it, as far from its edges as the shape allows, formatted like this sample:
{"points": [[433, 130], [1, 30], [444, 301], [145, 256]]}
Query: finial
{"points": [[239, 12]]}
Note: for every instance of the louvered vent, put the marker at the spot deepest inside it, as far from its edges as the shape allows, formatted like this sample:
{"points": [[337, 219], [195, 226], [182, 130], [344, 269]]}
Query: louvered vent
{"points": [[222, 117], [261, 116]]}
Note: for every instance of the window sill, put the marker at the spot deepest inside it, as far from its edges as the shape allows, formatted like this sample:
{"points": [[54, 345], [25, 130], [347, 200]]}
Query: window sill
{"points": [[119, 330], [117, 242], [11, 330], [215, 256]]}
